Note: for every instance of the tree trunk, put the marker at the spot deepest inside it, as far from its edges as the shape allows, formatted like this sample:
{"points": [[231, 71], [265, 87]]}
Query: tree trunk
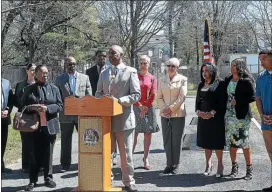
{"points": [[133, 55], [170, 28]]}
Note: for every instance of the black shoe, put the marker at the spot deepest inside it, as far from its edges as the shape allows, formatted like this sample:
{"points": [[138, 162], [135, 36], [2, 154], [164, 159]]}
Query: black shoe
{"points": [[6, 170], [249, 171], [64, 169], [50, 183], [268, 189], [167, 170], [175, 170], [25, 170], [30, 186], [130, 188]]}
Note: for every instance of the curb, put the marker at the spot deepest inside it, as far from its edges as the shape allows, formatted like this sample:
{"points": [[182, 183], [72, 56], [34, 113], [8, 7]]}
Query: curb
{"points": [[257, 124]]}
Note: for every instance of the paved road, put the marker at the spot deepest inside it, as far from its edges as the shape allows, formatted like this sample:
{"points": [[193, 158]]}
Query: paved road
{"points": [[190, 177]]}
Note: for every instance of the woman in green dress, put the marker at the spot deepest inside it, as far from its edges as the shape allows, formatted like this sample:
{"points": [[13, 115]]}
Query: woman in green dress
{"points": [[240, 90]]}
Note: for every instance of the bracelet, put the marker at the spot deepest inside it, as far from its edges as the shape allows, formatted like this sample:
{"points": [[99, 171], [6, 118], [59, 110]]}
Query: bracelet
{"points": [[212, 113]]}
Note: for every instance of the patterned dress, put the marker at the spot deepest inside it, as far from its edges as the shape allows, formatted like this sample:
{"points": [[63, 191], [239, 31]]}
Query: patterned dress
{"points": [[237, 130]]}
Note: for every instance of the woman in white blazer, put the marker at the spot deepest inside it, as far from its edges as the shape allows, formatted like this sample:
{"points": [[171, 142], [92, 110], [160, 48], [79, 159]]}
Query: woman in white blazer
{"points": [[171, 95]]}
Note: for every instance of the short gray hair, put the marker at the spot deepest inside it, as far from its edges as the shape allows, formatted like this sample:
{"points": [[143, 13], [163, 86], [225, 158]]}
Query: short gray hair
{"points": [[145, 57], [173, 61]]}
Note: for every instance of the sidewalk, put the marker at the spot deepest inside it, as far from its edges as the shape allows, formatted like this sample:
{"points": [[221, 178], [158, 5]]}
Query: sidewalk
{"points": [[192, 166]]}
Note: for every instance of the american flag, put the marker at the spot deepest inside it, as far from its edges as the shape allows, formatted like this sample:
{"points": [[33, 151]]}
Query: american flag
{"points": [[207, 55]]}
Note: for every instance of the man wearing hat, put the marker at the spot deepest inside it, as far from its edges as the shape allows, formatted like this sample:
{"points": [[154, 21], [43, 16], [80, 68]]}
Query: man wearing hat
{"points": [[70, 83], [121, 82]]}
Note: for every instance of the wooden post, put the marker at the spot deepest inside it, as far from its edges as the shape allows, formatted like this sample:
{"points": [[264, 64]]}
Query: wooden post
{"points": [[94, 141]]}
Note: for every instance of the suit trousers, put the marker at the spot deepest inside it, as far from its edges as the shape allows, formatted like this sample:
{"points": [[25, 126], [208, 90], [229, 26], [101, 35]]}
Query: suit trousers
{"points": [[125, 143], [172, 132], [40, 145], [25, 157], [4, 139], [66, 142]]}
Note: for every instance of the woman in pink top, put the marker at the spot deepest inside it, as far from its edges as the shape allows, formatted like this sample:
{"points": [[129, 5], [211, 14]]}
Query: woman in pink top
{"points": [[145, 116]]}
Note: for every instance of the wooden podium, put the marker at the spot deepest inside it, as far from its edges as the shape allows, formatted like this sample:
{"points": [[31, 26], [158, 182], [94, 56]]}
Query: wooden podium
{"points": [[94, 141]]}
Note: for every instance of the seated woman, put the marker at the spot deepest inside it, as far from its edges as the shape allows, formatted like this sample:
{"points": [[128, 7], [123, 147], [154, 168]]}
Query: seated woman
{"points": [[40, 143]]}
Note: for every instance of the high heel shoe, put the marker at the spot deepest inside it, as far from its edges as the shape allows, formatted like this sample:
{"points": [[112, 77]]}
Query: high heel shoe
{"points": [[146, 167], [208, 170], [249, 171], [234, 170], [219, 173]]}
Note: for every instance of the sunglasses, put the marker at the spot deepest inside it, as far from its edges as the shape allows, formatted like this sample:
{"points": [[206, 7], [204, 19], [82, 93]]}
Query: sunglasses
{"points": [[173, 66], [70, 64]]}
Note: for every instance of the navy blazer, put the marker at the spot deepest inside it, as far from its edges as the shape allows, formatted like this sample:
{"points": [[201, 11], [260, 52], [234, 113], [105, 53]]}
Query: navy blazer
{"points": [[7, 102], [33, 94], [244, 95]]}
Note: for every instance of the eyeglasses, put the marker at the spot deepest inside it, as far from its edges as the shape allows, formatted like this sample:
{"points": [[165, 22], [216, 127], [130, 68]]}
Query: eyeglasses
{"points": [[173, 66], [70, 64], [143, 63]]}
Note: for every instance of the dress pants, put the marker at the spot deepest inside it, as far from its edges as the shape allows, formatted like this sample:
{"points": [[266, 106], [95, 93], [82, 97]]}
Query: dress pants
{"points": [[40, 145], [66, 142], [172, 132], [125, 144], [4, 138], [25, 156]]}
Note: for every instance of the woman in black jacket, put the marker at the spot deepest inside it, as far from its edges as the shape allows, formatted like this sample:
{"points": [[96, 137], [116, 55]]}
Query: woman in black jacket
{"points": [[210, 109], [40, 143], [30, 79], [240, 90]]}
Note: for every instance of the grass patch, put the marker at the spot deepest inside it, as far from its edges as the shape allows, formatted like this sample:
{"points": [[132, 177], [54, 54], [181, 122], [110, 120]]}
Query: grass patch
{"points": [[191, 92], [14, 145], [255, 112]]}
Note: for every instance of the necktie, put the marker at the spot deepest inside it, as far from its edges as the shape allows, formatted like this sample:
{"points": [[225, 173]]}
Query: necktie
{"points": [[115, 71]]}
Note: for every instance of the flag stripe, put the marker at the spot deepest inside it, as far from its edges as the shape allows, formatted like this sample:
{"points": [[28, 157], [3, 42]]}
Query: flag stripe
{"points": [[207, 52]]}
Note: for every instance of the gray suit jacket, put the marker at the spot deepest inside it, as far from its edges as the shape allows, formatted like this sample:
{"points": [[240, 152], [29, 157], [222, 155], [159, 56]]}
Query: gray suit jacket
{"points": [[126, 88], [83, 87]]}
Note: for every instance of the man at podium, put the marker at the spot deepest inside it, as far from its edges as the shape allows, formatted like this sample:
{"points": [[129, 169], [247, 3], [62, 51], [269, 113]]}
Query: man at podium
{"points": [[121, 81]]}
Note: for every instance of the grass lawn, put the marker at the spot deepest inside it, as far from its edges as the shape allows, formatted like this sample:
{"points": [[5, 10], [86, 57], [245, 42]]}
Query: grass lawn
{"points": [[14, 145]]}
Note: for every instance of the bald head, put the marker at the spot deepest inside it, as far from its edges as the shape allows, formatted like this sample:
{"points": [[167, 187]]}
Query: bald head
{"points": [[117, 48], [115, 55], [70, 59], [70, 64]]}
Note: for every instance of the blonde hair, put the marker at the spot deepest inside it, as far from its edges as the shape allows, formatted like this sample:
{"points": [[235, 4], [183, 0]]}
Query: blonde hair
{"points": [[145, 57]]}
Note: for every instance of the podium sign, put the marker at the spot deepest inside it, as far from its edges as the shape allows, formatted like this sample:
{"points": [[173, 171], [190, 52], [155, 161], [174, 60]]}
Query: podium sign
{"points": [[94, 141]]}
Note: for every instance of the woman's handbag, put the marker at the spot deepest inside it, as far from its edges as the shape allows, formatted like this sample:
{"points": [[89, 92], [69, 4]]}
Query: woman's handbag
{"points": [[25, 122]]}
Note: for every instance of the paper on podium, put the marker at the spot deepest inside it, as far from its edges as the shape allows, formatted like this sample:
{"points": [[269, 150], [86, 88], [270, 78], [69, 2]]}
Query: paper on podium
{"points": [[43, 119]]}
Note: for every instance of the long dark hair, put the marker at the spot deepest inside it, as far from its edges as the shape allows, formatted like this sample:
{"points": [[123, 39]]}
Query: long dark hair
{"points": [[242, 69], [212, 70]]}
